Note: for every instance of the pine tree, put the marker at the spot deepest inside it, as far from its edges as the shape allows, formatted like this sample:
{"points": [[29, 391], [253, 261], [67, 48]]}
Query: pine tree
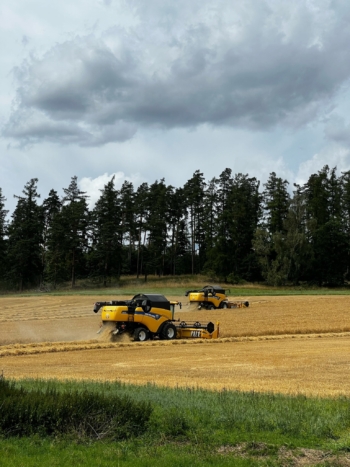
{"points": [[74, 220], [245, 208], [269, 239], [331, 254], [219, 257], [51, 208], [194, 192], [328, 236], [57, 263], [298, 250], [345, 212], [141, 215], [3, 232], [25, 239], [276, 203], [177, 227], [323, 197], [157, 223], [210, 213], [239, 210], [107, 248], [127, 226]]}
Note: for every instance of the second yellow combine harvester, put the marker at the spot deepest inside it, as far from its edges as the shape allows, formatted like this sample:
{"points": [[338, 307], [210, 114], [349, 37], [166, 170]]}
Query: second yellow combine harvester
{"points": [[212, 297], [149, 316]]}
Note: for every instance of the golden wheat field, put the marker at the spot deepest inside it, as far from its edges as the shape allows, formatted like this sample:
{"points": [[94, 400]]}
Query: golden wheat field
{"points": [[298, 344]]}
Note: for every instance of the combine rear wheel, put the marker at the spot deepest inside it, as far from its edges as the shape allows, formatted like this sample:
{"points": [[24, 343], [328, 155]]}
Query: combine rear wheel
{"points": [[168, 332], [141, 334]]}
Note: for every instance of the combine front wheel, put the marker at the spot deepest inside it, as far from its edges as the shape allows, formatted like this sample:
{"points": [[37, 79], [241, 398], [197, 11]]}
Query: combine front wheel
{"points": [[141, 334], [168, 332]]}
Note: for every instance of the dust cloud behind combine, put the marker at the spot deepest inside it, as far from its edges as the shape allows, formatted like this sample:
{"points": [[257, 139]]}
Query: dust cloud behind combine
{"points": [[106, 334]]}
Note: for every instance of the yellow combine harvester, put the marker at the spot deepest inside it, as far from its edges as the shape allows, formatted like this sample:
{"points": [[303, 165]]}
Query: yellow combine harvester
{"points": [[149, 316], [212, 297]]}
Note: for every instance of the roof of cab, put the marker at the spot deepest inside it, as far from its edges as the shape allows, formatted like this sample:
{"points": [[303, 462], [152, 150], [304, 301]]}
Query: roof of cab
{"points": [[156, 300]]}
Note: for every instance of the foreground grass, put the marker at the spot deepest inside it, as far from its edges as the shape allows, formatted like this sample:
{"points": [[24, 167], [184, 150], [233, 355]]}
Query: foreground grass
{"points": [[191, 427], [34, 452]]}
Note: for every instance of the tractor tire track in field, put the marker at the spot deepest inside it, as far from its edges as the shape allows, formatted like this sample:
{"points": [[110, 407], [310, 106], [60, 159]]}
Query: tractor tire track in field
{"points": [[124, 341]]}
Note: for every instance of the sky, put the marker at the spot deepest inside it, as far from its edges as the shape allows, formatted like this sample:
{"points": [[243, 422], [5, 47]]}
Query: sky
{"points": [[154, 89]]}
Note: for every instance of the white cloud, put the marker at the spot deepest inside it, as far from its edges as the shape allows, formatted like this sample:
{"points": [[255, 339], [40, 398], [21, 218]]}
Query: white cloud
{"points": [[333, 156], [93, 186]]}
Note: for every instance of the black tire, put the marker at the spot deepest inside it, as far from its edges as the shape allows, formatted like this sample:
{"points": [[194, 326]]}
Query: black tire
{"points": [[224, 305], [168, 331], [211, 307], [141, 334]]}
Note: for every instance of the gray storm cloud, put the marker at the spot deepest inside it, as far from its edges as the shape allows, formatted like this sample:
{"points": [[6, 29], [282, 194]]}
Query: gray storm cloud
{"points": [[246, 65]]}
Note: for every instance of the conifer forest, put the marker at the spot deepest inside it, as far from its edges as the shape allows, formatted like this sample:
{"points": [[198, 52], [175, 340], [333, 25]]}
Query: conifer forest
{"points": [[231, 227]]}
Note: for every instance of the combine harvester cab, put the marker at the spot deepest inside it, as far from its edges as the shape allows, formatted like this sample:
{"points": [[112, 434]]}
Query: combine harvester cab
{"points": [[212, 297], [149, 316]]}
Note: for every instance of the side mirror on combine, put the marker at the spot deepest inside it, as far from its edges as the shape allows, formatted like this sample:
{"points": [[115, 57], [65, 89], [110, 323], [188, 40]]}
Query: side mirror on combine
{"points": [[97, 306]]}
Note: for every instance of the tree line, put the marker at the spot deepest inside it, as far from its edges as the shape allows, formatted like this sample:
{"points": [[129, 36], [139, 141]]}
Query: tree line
{"points": [[230, 227]]}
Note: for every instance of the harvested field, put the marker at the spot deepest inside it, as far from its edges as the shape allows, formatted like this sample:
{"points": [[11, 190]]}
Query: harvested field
{"points": [[284, 344]]}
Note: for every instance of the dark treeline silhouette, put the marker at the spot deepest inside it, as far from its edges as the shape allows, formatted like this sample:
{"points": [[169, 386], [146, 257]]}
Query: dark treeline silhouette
{"points": [[229, 227]]}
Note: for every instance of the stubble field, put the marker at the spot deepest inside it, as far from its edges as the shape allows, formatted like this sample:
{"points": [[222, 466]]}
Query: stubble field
{"points": [[296, 344]]}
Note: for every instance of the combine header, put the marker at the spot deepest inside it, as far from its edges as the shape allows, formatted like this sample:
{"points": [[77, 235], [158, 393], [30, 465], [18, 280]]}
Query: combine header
{"points": [[212, 297], [196, 329], [149, 316]]}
